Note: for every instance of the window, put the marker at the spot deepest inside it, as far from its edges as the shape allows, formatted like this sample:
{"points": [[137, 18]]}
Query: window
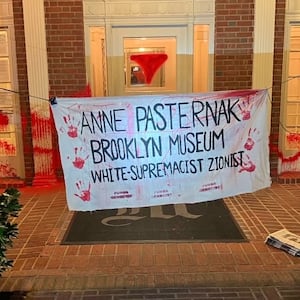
{"points": [[7, 131]]}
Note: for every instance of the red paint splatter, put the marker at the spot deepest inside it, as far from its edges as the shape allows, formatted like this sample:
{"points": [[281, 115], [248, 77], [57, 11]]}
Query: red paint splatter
{"points": [[7, 170], [294, 138], [42, 150], [40, 125], [3, 120], [7, 149], [150, 63], [86, 92], [275, 150], [43, 127], [239, 93]]}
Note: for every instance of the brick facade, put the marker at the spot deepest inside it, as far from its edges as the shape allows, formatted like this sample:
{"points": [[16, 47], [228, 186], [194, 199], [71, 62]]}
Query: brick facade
{"points": [[65, 46], [233, 44], [66, 54]]}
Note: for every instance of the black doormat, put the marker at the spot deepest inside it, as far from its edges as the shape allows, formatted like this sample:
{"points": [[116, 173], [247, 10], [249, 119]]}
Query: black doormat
{"points": [[200, 222], [12, 295]]}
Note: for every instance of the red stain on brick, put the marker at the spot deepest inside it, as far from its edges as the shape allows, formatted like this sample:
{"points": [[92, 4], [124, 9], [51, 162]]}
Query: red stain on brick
{"points": [[86, 92]]}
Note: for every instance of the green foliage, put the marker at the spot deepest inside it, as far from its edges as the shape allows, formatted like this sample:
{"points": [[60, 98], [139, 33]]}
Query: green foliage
{"points": [[9, 209]]}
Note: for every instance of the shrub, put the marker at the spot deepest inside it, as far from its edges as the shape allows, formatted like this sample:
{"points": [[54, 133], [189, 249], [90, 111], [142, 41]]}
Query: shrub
{"points": [[9, 209]]}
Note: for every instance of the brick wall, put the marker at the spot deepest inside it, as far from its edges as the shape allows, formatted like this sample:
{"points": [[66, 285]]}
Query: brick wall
{"points": [[233, 44], [277, 82], [23, 89], [66, 54], [65, 46]]}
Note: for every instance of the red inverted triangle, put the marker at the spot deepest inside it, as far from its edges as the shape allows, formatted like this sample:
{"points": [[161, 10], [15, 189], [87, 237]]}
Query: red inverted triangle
{"points": [[150, 63]]}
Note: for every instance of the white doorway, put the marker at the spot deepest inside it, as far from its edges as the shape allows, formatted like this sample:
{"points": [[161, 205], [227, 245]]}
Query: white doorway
{"points": [[98, 73]]}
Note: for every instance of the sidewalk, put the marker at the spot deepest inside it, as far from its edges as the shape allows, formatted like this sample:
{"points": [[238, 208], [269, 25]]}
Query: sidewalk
{"points": [[251, 270]]}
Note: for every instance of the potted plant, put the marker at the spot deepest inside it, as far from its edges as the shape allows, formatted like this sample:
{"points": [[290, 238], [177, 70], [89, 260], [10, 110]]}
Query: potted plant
{"points": [[9, 209]]}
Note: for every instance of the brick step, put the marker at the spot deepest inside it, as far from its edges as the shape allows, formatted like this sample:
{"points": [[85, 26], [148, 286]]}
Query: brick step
{"points": [[11, 182]]}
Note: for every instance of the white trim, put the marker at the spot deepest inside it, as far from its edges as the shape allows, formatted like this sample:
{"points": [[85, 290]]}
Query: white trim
{"points": [[155, 20], [264, 26]]}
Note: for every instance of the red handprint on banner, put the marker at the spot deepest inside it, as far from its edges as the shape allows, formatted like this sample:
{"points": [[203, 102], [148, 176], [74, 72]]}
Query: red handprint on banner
{"points": [[84, 193], [253, 137], [72, 128], [79, 161], [247, 166], [245, 109]]}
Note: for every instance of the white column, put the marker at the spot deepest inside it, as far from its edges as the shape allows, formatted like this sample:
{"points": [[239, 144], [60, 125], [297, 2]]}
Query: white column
{"points": [[264, 31], [264, 28], [38, 83]]}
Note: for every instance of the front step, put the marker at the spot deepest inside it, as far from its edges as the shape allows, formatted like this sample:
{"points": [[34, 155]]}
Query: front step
{"points": [[11, 182]]}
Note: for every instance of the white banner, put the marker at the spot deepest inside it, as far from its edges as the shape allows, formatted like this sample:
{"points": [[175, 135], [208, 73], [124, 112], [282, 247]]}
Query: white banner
{"points": [[139, 151]]}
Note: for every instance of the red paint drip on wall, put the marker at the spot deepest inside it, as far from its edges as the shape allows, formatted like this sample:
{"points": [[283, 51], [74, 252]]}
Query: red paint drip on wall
{"points": [[7, 171], [275, 150], [7, 149], [42, 128], [86, 92], [40, 125], [3, 120], [294, 139]]}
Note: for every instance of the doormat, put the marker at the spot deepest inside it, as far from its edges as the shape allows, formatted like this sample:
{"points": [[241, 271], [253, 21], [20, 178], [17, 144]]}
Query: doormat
{"points": [[12, 295], [199, 222]]}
